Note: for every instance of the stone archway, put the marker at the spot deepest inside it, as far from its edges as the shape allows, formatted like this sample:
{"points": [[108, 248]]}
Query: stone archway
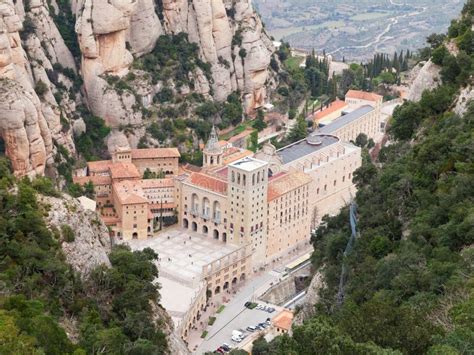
{"points": [[205, 230], [224, 237], [217, 290], [242, 277], [234, 281], [135, 235], [226, 285], [215, 234], [194, 227], [185, 223]]}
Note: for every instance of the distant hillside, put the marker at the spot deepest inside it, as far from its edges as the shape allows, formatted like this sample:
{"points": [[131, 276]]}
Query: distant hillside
{"points": [[356, 29]]}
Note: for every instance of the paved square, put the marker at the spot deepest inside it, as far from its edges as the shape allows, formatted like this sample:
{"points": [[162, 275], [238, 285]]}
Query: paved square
{"points": [[182, 253]]}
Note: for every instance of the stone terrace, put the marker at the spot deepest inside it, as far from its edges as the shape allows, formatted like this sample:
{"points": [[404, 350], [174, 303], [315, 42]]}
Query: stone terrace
{"points": [[182, 254]]}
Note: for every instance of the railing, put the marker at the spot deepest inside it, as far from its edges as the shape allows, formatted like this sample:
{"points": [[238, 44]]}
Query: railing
{"points": [[190, 311]]}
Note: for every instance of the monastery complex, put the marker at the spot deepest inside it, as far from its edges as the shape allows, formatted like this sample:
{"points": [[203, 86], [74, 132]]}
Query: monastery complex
{"points": [[239, 211]]}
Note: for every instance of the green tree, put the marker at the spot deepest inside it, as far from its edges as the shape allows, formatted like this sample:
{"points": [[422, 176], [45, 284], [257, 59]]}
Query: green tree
{"points": [[260, 346], [253, 141], [439, 54], [298, 131], [259, 124], [361, 140]]}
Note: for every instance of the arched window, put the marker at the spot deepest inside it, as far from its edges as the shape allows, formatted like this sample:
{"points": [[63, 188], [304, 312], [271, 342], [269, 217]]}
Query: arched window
{"points": [[195, 203], [216, 211], [206, 207]]}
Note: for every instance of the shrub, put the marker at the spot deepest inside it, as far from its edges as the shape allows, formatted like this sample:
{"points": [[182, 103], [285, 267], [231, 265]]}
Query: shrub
{"points": [[41, 88], [45, 186], [67, 233], [211, 320], [164, 95], [204, 334], [439, 54]]}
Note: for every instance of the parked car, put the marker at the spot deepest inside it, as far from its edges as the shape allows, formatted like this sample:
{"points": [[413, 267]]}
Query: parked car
{"points": [[226, 347], [270, 310], [220, 350], [237, 333], [247, 304], [251, 328], [236, 338]]}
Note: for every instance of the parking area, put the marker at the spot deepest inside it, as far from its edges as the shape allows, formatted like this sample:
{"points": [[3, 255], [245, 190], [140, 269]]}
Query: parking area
{"points": [[244, 319]]}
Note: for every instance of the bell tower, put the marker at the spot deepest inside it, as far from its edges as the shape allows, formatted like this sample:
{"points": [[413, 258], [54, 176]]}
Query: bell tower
{"points": [[212, 153]]}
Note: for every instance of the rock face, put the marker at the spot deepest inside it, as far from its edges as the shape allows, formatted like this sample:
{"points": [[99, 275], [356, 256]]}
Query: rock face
{"points": [[28, 124], [229, 33], [231, 37], [424, 78], [311, 298], [91, 243], [24, 129], [466, 96]]}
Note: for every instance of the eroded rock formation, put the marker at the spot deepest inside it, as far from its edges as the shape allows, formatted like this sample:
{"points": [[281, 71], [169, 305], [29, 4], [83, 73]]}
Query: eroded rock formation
{"points": [[229, 33], [425, 77], [231, 37], [29, 125], [91, 244]]}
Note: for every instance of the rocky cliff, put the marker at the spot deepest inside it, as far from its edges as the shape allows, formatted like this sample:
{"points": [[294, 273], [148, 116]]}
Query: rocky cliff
{"points": [[425, 76], [29, 122], [56, 56], [91, 243]]}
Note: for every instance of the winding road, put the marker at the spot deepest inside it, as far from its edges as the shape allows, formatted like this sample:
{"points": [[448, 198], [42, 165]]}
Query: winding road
{"points": [[379, 38]]}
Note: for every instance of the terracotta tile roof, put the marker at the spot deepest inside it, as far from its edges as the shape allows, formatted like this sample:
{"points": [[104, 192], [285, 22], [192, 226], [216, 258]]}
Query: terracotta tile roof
{"points": [[208, 182], [222, 172], [233, 154], [151, 153], [283, 320], [156, 183], [363, 95], [190, 168], [128, 192], [124, 171], [99, 166], [285, 183], [333, 107], [97, 180]]}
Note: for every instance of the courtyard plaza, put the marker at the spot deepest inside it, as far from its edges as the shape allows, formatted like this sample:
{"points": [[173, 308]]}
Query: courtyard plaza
{"points": [[182, 254]]}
